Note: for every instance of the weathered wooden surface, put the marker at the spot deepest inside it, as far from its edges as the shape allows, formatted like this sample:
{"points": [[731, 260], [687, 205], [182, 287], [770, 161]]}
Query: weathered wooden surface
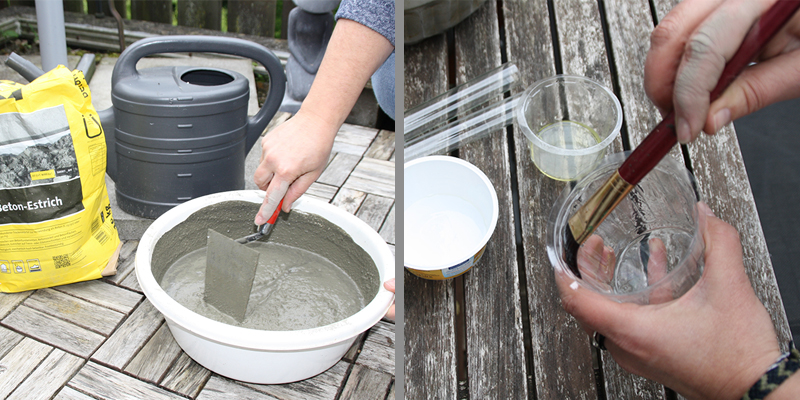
{"points": [[429, 306], [606, 41], [253, 17], [206, 14], [152, 10], [104, 339], [492, 303], [89, 32]]}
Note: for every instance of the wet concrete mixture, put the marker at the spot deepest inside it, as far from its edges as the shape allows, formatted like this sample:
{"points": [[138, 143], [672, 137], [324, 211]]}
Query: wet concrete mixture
{"points": [[310, 273]]}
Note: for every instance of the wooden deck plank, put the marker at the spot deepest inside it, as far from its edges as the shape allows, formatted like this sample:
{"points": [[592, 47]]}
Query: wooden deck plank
{"points": [[352, 353], [186, 376], [8, 339], [105, 383], [131, 282], [219, 388], [53, 331], [378, 351], [349, 200], [155, 358], [125, 266], [561, 357], [77, 311], [19, 363], [383, 146], [366, 384], [120, 347], [49, 377], [339, 169], [496, 365], [68, 393], [10, 301], [104, 294], [374, 210], [353, 139], [321, 191], [372, 176], [430, 365], [387, 230], [324, 386], [583, 50]]}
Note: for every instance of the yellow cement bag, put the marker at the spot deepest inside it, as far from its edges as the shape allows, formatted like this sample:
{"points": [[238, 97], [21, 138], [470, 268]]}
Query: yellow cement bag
{"points": [[56, 225]]}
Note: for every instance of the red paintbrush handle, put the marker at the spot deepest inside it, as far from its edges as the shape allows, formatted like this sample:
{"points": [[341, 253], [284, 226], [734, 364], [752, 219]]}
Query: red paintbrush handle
{"points": [[661, 139], [276, 213]]}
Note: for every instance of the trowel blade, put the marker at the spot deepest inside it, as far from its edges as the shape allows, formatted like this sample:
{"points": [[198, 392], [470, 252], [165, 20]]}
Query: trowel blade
{"points": [[230, 270]]}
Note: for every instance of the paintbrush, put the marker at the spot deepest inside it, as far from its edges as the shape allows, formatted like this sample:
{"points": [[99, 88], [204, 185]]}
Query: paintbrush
{"points": [[661, 139], [263, 229]]}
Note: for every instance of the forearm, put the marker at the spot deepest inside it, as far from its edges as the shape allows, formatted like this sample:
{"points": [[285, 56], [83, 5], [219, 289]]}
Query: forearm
{"points": [[353, 54]]}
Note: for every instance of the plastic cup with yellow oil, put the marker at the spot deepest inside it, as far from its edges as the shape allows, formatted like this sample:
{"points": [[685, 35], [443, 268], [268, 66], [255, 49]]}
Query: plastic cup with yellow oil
{"points": [[450, 211], [569, 122]]}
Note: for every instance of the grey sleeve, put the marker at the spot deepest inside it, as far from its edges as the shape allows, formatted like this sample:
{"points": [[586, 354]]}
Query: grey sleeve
{"points": [[377, 15]]}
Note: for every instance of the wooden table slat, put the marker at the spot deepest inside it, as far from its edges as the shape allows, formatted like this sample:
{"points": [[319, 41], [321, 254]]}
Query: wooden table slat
{"points": [[321, 387], [349, 200], [19, 363], [372, 176], [155, 358], [118, 350], [49, 377], [374, 210], [366, 384], [383, 146], [387, 230], [80, 312], [339, 169], [219, 388], [186, 376], [8, 339], [105, 382], [429, 331], [378, 352], [54, 331], [99, 292], [492, 303]]}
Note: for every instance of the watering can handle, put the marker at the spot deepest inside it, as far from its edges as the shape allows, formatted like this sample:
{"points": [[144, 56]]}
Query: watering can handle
{"points": [[126, 68]]}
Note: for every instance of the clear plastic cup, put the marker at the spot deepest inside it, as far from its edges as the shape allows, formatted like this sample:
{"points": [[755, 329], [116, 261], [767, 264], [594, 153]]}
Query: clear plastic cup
{"points": [[569, 122], [649, 249]]}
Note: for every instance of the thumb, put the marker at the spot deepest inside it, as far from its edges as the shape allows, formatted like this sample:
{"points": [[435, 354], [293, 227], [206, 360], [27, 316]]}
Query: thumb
{"points": [[594, 311]]}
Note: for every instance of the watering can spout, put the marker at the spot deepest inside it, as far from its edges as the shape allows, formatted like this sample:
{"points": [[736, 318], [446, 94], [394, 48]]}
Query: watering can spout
{"points": [[107, 123]]}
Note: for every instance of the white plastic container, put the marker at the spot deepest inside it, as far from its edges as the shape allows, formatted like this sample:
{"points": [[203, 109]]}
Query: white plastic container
{"points": [[257, 356], [450, 212]]}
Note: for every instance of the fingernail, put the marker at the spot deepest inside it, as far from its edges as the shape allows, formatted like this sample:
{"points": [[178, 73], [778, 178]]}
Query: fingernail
{"points": [[721, 118], [684, 131]]}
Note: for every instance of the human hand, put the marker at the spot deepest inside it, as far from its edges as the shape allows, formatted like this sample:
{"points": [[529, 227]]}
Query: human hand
{"points": [[292, 158], [689, 49], [713, 342], [389, 285]]}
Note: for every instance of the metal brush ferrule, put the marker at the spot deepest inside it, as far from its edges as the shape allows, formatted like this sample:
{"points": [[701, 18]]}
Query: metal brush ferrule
{"points": [[594, 211]]}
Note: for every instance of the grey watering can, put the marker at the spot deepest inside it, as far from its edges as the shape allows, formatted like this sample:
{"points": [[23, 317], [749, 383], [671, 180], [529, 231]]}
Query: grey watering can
{"points": [[176, 133]]}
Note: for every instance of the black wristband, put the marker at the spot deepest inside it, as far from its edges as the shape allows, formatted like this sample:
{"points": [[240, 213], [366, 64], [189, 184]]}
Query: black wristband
{"points": [[788, 364]]}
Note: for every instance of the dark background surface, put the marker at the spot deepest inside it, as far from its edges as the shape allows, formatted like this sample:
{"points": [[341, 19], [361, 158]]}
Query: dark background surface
{"points": [[770, 142]]}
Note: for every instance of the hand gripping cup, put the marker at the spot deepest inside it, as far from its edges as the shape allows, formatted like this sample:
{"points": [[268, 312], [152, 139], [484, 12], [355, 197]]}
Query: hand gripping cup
{"points": [[649, 249], [569, 122], [450, 211]]}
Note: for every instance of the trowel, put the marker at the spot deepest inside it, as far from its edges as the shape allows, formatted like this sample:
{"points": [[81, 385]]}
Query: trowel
{"points": [[231, 269]]}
